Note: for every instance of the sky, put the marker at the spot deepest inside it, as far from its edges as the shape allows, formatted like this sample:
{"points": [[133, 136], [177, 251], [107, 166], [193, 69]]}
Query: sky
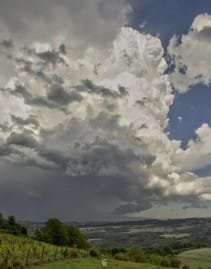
{"points": [[105, 109]]}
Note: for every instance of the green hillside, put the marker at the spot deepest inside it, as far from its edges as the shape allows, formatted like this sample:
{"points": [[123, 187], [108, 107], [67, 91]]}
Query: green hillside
{"points": [[18, 252], [91, 263], [197, 258]]}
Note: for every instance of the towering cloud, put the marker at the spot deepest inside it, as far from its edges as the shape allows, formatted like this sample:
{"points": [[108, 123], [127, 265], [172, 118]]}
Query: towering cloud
{"points": [[89, 122], [191, 55]]}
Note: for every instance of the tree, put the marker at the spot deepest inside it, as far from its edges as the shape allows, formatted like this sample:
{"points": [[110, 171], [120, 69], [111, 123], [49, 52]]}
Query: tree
{"points": [[14, 227], [11, 221], [39, 235], [75, 238], [55, 232], [1, 220]]}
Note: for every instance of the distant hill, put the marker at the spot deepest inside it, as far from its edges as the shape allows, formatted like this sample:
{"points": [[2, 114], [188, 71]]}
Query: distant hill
{"points": [[151, 233]]}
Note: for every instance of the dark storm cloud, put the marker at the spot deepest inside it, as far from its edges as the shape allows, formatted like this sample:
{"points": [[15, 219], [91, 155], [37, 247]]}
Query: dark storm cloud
{"points": [[131, 208], [7, 44], [22, 139], [5, 128], [97, 195], [58, 95], [6, 151], [50, 194], [101, 167], [51, 57], [56, 99], [23, 122], [90, 87], [102, 159], [47, 56]]}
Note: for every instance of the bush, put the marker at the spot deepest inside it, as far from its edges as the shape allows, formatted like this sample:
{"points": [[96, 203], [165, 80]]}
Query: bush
{"points": [[185, 266], [175, 262], [114, 251], [136, 254], [74, 253], [155, 259], [83, 253], [94, 253], [121, 256], [165, 262]]}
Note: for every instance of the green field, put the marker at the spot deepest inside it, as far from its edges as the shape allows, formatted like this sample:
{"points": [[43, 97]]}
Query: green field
{"points": [[197, 258], [91, 263]]}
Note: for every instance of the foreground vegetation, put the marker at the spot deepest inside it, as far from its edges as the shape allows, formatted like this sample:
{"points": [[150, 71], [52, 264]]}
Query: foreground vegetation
{"points": [[91, 263], [20, 252], [193, 259]]}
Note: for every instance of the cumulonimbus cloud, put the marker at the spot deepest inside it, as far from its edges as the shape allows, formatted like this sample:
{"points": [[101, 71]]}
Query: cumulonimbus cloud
{"points": [[100, 117]]}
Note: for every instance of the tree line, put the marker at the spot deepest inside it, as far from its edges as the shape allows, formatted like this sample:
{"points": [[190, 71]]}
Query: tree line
{"points": [[11, 226]]}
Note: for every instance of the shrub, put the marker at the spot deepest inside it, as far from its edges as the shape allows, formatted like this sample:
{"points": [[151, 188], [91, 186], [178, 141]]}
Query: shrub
{"points": [[165, 262], [121, 256], [74, 253], [175, 262], [114, 251], [185, 266], [94, 253], [155, 259], [136, 254]]}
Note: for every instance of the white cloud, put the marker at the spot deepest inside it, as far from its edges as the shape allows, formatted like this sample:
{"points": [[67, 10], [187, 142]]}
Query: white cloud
{"points": [[192, 55], [198, 152], [90, 21]]}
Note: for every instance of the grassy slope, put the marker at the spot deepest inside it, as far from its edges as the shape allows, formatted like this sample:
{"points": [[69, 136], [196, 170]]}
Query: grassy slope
{"points": [[25, 252], [194, 258], [91, 263], [197, 258]]}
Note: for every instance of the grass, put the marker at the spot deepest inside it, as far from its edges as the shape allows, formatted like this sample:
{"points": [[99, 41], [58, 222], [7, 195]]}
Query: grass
{"points": [[197, 258], [91, 263]]}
